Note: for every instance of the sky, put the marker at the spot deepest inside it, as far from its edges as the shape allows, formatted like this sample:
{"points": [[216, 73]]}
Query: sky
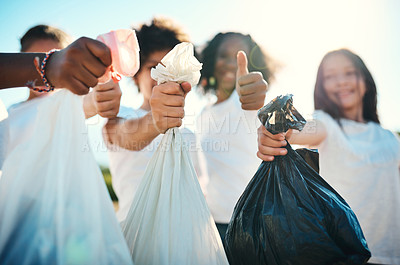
{"points": [[295, 33]]}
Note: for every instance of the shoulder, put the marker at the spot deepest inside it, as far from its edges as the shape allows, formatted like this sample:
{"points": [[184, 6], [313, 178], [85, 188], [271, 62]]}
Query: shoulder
{"points": [[385, 133], [332, 131], [387, 141], [322, 116], [326, 120]]}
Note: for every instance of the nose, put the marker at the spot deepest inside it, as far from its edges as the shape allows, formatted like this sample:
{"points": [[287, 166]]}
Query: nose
{"points": [[230, 63], [342, 80]]}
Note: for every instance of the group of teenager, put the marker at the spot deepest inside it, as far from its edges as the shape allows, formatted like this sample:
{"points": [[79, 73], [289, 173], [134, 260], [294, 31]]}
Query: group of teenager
{"points": [[358, 157]]}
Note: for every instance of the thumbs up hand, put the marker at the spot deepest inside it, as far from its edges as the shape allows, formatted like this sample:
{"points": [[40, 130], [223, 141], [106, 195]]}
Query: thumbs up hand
{"points": [[251, 87]]}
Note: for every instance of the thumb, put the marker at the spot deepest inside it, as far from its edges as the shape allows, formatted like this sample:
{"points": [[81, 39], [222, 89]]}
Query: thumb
{"points": [[186, 87], [242, 64], [104, 86]]}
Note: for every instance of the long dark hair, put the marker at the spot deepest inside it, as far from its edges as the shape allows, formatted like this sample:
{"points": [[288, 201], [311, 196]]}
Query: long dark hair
{"points": [[258, 60], [322, 101]]}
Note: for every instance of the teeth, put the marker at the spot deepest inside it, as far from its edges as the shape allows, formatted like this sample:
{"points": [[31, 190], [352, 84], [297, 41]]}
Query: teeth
{"points": [[344, 93]]}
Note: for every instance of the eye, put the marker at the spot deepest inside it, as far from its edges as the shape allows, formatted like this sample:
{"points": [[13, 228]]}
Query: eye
{"points": [[351, 73], [222, 56]]}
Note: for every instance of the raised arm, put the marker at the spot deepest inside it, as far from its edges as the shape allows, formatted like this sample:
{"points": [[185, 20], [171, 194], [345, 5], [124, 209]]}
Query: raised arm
{"points": [[16, 69], [167, 103], [76, 67], [270, 145]]}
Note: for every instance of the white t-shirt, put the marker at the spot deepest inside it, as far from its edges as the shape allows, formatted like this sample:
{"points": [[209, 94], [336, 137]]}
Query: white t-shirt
{"points": [[361, 162], [228, 139], [127, 167]]}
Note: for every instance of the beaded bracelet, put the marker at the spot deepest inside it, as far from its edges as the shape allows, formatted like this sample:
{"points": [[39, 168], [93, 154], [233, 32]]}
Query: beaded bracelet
{"points": [[41, 70]]}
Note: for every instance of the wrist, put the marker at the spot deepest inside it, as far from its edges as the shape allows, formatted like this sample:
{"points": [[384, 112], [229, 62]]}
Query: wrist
{"points": [[51, 69], [151, 125], [42, 67], [89, 106]]}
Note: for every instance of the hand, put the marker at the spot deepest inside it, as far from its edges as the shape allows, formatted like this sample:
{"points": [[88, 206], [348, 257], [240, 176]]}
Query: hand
{"points": [[167, 102], [78, 66], [103, 100], [269, 144], [251, 87]]}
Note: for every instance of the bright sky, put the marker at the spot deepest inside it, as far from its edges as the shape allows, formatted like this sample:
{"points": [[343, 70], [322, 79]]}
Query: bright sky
{"points": [[297, 33]]}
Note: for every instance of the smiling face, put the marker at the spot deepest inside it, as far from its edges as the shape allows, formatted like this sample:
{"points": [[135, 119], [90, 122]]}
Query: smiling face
{"points": [[344, 85], [225, 64]]}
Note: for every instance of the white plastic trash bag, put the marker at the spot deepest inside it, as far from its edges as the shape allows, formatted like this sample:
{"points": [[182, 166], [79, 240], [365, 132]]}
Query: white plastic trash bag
{"points": [[179, 65], [169, 221], [54, 205], [3, 133]]}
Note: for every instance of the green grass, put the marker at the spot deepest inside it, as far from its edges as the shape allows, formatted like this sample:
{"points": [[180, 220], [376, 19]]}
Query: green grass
{"points": [[107, 180]]}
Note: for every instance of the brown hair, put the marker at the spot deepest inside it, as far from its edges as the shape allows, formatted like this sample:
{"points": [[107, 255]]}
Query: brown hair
{"points": [[161, 34], [41, 32]]}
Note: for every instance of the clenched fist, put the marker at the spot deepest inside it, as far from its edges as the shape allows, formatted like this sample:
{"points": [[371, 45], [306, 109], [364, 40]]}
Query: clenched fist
{"points": [[167, 102], [78, 66]]}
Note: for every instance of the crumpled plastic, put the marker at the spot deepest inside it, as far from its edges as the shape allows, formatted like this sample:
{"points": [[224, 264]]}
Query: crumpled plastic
{"points": [[288, 214], [279, 115], [179, 65], [125, 49]]}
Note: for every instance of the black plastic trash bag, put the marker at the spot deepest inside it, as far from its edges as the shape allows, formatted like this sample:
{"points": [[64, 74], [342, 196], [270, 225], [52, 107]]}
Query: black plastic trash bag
{"points": [[289, 215], [310, 156], [279, 115]]}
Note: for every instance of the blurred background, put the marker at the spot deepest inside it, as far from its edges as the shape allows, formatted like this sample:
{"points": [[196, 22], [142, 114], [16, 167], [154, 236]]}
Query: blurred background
{"points": [[296, 33]]}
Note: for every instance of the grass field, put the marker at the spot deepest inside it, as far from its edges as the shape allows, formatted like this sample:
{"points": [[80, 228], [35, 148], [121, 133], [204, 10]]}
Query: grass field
{"points": [[107, 180]]}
